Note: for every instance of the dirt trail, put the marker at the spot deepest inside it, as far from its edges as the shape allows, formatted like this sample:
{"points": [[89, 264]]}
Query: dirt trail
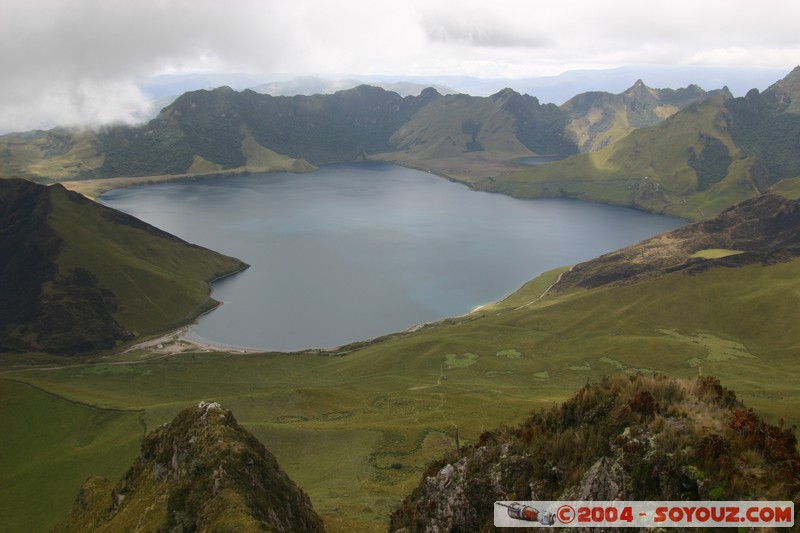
{"points": [[547, 290]]}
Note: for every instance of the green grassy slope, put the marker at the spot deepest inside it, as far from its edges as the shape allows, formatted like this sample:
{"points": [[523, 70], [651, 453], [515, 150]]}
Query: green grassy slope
{"points": [[597, 119], [504, 126], [452, 125], [355, 432], [56, 154], [708, 156], [48, 445], [161, 281], [158, 152], [651, 168], [78, 277]]}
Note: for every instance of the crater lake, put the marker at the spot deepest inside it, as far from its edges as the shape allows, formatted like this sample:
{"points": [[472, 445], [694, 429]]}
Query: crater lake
{"points": [[356, 251]]}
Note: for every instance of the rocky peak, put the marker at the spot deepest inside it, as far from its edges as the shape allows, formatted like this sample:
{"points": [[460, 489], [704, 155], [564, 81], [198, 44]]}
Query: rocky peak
{"points": [[626, 438], [639, 89], [505, 94], [787, 91], [429, 93], [202, 471]]}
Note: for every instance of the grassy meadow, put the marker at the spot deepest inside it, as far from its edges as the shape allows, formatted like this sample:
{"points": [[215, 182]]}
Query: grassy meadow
{"points": [[48, 446], [355, 431]]}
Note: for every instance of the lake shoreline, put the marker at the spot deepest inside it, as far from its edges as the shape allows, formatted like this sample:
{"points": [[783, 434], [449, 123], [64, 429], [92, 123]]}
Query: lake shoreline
{"points": [[359, 251]]}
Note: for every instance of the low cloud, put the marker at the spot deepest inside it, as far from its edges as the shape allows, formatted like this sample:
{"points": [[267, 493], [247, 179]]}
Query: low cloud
{"points": [[81, 61], [478, 29], [71, 102]]}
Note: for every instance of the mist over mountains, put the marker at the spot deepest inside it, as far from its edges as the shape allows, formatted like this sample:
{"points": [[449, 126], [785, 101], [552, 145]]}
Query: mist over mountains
{"points": [[162, 90], [548, 89], [687, 152]]}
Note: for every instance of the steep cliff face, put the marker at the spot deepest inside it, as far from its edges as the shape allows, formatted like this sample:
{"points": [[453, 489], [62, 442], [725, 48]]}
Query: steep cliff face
{"points": [[200, 472], [627, 438]]}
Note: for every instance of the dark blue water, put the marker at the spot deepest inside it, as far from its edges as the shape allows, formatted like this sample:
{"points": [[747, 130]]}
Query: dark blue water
{"points": [[352, 252]]}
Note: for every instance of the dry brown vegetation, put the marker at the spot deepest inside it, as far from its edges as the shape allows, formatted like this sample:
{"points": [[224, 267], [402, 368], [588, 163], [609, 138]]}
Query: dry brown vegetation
{"points": [[627, 438]]}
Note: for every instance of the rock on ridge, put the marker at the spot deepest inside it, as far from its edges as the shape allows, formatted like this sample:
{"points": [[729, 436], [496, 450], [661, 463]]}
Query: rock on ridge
{"points": [[625, 438], [200, 472]]}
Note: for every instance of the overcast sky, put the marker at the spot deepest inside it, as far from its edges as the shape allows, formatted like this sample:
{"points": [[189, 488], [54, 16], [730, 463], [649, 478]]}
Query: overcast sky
{"points": [[79, 61]]}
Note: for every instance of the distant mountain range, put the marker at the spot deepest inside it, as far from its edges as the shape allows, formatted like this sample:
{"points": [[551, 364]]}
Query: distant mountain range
{"points": [[712, 154], [547, 89], [227, 131], [314, 85], [686, 152]]}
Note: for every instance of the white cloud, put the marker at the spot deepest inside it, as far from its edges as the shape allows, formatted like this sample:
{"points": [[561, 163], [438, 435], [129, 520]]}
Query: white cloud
{"points": [[84, 102], [472, 27], [79, 60]]}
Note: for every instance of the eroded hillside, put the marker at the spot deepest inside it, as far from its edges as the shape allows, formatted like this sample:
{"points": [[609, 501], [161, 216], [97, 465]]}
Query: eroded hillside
{"points": [[765, 230]]}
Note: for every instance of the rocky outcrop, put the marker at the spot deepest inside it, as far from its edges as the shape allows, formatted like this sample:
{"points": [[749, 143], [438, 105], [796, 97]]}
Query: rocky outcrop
{"points": [[200, 472], [627, 438]]}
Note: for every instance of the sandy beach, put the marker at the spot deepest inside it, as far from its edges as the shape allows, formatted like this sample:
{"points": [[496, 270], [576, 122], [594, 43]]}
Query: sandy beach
{"points": [[177, 341]]}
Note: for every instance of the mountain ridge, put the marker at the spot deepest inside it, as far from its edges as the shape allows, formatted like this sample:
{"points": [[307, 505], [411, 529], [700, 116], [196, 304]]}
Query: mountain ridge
{"points": [[200, 472], [709, 156], [685, 152], [78, 277], [624, 438], [207, 131], [599, 118]]}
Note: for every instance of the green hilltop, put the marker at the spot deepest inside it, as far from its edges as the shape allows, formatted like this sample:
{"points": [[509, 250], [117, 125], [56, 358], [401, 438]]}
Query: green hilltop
{"points": [[77, 277]]}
